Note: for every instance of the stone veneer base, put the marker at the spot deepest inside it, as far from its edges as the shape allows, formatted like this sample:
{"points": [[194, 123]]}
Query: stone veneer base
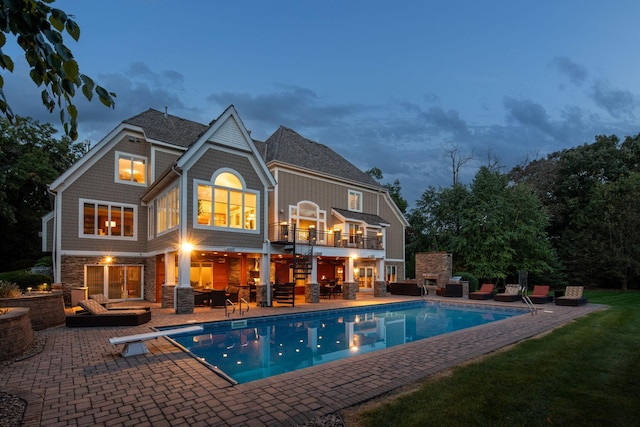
{"points": [[46, 309], [16, 335]]}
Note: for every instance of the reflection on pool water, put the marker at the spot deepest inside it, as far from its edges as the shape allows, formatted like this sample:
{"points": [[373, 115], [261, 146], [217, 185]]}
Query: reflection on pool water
{"points": [[254, 348]]}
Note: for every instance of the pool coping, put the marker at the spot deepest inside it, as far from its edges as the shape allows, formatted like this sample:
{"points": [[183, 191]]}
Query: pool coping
{"points": [[80, 379]]}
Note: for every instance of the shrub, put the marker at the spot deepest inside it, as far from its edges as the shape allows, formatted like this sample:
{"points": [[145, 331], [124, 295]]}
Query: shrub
{"points": [[45, 261], [9, 290], [468, 277], [27, 280]]}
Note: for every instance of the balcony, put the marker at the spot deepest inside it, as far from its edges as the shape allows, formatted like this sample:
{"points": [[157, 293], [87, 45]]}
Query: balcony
{"points": [[287, 234]]}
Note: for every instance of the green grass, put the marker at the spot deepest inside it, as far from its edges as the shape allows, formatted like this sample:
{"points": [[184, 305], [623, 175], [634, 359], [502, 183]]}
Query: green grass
{"points": [[586, 373]]}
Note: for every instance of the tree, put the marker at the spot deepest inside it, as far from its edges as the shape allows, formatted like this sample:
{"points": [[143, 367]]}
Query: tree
{"points": [[30, 159], [39, 32], [492, 228], [589, 192], [395, 190]]}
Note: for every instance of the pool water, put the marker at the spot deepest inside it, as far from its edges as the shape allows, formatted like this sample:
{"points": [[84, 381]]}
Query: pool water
{"points": [[255, 348]]}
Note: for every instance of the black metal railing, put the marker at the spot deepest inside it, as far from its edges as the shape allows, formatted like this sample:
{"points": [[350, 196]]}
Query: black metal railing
{"points": [[288, 234]]}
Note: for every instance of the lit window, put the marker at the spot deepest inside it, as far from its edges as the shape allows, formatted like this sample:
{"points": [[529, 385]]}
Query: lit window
{"points": [[131, 169], [226, 204], [355, 201], [168, 210], [104, 219]]}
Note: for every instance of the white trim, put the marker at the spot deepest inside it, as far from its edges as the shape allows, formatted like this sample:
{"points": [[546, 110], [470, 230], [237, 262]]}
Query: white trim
{"points": [[133, 157], [81, 233]]}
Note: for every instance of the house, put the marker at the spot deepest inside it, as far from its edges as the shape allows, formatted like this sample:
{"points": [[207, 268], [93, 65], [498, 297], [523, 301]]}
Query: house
{"points": [[162, 206]]}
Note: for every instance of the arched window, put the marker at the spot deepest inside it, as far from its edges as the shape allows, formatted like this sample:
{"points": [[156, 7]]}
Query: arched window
{"points": [[308, 216], [226, 203]]}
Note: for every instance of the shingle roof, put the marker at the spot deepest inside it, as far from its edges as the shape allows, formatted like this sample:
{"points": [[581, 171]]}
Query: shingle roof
{"points": [[370, 219], [167, 128], [287, 146]]}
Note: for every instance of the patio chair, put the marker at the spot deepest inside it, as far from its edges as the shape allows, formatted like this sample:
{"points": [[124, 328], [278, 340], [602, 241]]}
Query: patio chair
{"points": [[485, 292], [511, 293], [540, 295], [101, 299], [572, 296], [97, 315]]}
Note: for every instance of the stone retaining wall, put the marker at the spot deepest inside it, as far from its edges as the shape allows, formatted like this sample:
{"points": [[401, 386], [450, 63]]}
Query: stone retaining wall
{"points": [[16, 335], [46, 309]]}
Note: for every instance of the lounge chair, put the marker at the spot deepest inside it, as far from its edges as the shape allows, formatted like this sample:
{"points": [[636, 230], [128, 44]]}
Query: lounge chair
{"points": [[104, 301], [101, 299], [540, 295], [97, 315], [572, 296], [511, 293], [485, 292]]}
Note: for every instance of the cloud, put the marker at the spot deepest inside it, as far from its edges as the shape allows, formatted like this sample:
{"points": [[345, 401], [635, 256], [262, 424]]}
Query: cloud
{"points": [[618, 103], [292, 106], [576, 73], [528, 114]]}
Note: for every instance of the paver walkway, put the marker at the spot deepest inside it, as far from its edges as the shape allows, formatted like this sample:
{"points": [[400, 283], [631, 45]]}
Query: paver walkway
{"points": [[80, 379]]}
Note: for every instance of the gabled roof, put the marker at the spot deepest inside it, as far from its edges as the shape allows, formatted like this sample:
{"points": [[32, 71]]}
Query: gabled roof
{"points": [[289, 147], [167, 128], [367, 218]]}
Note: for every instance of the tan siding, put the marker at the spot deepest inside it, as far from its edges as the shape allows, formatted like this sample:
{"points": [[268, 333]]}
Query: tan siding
{"points": [[163, 160], [207, 165], [293, 188], [100, 185]]}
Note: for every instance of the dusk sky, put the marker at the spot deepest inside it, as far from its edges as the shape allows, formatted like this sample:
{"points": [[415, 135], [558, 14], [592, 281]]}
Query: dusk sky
{"points": [[393, 85]]}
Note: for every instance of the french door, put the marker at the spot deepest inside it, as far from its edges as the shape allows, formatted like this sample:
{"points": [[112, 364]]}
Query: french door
{"points": [[116, 282], [366, 278]]}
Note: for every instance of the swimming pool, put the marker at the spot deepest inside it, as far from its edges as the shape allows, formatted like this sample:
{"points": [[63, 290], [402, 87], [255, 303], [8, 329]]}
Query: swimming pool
{"points": [[254, 348]]}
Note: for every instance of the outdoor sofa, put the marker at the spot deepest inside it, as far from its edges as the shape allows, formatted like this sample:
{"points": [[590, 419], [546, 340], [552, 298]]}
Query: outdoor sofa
{"points": [[572, 297], [485, 292], [95, 314], [511, 293], [409, 287], [540, 294]]}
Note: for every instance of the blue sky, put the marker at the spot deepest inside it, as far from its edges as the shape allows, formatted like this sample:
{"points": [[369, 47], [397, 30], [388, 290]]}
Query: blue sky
{"points": [[393, 85]]}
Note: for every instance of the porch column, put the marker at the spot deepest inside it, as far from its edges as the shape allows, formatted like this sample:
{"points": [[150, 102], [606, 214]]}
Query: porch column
{"points": [[184, 303]]}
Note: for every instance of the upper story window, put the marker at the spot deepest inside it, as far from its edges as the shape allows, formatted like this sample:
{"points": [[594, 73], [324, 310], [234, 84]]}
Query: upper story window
{"points": [[168, 211], [355, 201], [226, 203], [107, 220], [308, 216], [131, 169]]}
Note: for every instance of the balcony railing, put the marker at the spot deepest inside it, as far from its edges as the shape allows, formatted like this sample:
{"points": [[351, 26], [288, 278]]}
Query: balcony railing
{"points": [[284, 233]]}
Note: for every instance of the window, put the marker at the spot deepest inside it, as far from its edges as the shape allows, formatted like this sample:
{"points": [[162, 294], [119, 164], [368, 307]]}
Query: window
{"points": [[150, 221], [169, 210], [308, 216], [355, 201], [226, 204], [391, 275], [107, 220], [131, 169]]}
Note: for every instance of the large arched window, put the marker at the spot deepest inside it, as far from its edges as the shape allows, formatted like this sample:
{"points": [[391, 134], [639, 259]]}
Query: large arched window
{"points": [[307, 215], [226, 203]]}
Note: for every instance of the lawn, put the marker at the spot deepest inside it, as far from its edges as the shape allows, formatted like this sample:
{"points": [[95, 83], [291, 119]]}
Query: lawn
{"points": [[586, 373]]}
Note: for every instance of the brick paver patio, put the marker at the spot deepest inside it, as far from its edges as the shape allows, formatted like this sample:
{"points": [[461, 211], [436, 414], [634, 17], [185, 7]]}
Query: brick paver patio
{"points": [[80, 378]]}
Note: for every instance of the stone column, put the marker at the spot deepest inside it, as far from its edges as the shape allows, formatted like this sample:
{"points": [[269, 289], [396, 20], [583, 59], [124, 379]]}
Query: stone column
{"points": [[261, 295], [380, 288], [184, 300], [349, 290], [167, 296], [312, 293]]}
